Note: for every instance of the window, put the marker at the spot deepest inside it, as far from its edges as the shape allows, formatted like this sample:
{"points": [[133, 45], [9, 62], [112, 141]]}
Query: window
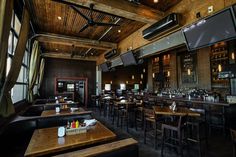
{"points": [[107, 87], [122, 86], [20, 90]]}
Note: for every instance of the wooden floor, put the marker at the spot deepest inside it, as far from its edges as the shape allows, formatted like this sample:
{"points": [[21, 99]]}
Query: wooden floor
{"points": [[219, 146]]}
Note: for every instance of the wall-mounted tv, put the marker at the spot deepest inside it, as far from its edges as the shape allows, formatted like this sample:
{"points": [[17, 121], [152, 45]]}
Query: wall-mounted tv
{"points": [[128, 58], [104, 67], [208, 31]]}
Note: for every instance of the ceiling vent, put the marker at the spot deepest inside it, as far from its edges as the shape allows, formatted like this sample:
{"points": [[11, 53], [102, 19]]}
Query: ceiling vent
{"points": [[111, 54], [166, 24]]}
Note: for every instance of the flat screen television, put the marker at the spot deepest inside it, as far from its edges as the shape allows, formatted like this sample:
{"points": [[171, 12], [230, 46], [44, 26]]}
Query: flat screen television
{"points": [[128, 58], [208, 31], [104, 67]]}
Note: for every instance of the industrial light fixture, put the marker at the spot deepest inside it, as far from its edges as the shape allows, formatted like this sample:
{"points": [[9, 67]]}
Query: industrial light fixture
{"points": [[219, 67], [168, 73], [59, 17], [155, 1], [232, 55], [189, 71]]}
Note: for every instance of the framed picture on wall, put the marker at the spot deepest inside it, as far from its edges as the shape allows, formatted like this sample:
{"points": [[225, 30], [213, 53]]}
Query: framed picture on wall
{"points": [[188, 68]]}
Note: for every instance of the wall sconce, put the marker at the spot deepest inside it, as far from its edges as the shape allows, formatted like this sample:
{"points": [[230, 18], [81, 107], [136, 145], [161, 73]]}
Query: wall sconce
{"points": [[127, 82], [153, 75], [219, 67], [132, 77], [110, 82], [144, 70], [189, 72], [141, 82], [141, 76], [232, 56], [168, 73]]}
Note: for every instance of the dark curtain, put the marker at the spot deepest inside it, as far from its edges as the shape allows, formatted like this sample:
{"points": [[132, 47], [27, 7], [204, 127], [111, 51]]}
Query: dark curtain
{"points": [[6, 105]]}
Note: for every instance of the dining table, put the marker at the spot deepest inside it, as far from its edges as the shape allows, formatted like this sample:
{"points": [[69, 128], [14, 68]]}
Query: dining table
{"points": [[180, 111], [64, 112], [46, 141]]}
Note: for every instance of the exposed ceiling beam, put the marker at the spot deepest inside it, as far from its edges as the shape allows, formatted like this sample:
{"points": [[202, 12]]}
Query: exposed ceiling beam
{"points": [[76, 41], [67, 56], [122, 8]]}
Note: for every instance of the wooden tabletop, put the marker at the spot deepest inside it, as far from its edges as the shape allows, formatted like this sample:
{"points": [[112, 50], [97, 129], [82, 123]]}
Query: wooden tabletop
{"points": [[62, 103], [181, 111], [45, 141], [64, 112]]}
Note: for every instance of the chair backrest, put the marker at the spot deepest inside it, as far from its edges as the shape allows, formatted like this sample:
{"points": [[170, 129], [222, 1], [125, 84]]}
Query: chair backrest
{"points": [[148, 112], [233, 134], [182, 121]]}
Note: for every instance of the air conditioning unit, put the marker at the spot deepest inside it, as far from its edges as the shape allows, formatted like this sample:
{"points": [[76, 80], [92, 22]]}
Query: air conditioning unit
{"points": [[166, 24], [111, 54]]}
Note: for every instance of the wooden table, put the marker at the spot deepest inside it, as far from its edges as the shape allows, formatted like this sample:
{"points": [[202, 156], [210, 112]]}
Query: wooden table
{"points": [[45, 141], [64, 112], [181, 111]]}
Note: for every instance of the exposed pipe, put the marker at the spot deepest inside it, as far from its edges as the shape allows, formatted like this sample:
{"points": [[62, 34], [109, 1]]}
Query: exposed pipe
{"points": [[105, 33]]}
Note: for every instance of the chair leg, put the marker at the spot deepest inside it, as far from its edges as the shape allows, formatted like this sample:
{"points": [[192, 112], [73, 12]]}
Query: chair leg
{"points": [[145, 131], [127, 122], [180, 143], [162, 141], [155, 127]]}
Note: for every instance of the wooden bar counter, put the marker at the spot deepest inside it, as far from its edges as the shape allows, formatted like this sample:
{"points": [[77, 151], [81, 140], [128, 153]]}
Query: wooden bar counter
{"points": [[45, 141]]}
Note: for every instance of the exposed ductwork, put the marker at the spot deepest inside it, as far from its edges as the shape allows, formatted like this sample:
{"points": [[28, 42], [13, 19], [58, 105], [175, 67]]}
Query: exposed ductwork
{"points": [[166, 24]]}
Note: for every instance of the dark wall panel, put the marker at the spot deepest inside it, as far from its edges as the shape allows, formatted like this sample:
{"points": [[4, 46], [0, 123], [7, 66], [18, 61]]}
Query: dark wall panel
{"points": [[67, 68]]}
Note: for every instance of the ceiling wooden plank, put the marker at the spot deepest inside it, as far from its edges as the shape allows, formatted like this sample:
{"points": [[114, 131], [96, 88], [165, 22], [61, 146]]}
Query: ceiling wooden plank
{"points": [[67, 56], [76, 41], [123, 8]]}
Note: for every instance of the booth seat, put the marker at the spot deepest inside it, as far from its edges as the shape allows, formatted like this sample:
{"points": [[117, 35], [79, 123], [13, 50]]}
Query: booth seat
{"points": [[16, 136], [126, 148]]}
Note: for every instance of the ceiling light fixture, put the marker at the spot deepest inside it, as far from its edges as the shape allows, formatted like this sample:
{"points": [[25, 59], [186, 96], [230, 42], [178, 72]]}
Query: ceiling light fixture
{"points": [[59, 17], [155, 1]]}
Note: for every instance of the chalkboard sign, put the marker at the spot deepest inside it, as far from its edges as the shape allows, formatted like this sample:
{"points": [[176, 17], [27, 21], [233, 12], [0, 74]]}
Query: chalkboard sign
{"points": [[188, 67]]}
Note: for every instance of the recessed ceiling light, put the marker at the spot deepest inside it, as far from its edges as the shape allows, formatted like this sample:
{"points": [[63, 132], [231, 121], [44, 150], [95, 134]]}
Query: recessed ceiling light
{"points": [[119, 31], [155, 1], [59, 17]]}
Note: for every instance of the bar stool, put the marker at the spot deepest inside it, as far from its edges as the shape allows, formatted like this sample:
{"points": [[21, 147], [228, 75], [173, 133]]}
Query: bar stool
{"points": [[126, 112], [154, 121], [233, 138], [197, 129], [216, 118], [174, 127]]}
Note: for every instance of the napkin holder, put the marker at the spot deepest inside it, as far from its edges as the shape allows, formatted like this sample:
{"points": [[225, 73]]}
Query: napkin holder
{"points": [[74, 131]]}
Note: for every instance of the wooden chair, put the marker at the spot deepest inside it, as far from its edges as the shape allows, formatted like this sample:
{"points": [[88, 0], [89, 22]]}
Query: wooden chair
{"points": [[152, 125], [174, 127], [233, 137]]}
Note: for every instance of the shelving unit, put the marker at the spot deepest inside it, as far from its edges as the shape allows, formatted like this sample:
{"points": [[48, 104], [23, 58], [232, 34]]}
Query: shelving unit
{"points": [[161, 72], [219, 59], [166, 70]]}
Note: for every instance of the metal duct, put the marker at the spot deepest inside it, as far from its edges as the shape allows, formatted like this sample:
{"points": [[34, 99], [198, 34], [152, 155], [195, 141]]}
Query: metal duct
{"points": [[174, 40]]}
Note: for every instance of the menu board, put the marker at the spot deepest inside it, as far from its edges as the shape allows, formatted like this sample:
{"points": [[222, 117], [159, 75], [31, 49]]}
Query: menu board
{"points": [[188, 67]]}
